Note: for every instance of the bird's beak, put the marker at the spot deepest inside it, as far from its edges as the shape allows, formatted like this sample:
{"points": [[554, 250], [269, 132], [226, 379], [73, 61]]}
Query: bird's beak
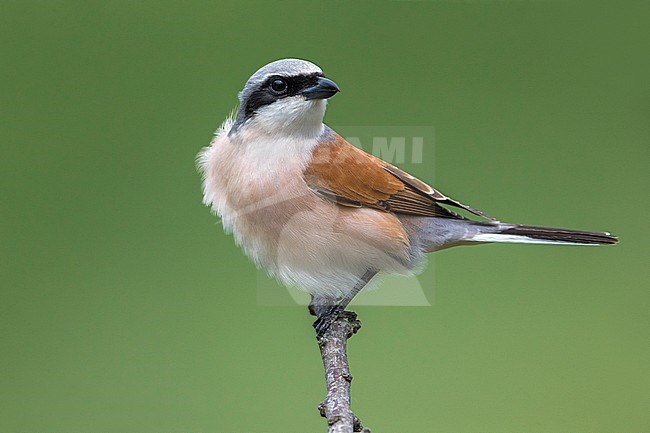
{"points": [[323, 90]]}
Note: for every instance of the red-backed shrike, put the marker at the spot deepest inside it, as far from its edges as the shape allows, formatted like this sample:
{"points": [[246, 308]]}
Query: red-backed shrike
{"points": [[321, 214]]}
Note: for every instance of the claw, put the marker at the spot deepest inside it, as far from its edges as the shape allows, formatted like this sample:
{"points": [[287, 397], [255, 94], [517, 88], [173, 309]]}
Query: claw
{"points": [[325, 320]]}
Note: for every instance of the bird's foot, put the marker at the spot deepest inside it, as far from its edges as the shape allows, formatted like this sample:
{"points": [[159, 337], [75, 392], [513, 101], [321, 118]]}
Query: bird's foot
{"points": [[326, 318], [331, 315]]}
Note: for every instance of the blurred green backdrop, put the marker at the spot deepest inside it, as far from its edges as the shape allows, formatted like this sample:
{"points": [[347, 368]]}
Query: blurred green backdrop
{"points": [[124, 308]]}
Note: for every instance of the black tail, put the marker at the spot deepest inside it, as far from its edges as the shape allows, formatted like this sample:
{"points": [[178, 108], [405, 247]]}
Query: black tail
{"points": [[553, 235]]}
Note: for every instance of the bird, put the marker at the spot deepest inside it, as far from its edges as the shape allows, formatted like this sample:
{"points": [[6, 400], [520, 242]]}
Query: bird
{"points": [[318, 213]]}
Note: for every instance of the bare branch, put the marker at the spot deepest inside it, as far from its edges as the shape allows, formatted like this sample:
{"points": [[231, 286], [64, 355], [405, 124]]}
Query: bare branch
{"points": [[336, 406]]}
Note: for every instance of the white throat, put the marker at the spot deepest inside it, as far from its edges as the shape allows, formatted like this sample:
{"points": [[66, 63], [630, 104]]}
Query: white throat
{"points": [[289, 117], [279, 138]]}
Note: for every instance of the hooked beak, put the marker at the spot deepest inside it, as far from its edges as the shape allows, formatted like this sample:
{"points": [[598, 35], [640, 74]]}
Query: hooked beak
{"points": [[324, 89]]}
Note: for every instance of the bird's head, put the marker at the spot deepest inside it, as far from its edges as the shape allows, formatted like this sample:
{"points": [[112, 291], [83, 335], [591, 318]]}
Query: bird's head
{"points": [[286, 97]]}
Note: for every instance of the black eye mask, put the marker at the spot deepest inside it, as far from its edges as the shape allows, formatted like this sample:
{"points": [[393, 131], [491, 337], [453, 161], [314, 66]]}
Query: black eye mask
{"points": [[266, 94]]}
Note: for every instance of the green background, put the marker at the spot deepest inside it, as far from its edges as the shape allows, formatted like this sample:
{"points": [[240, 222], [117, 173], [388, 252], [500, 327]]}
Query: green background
{"points": [[124, 308]]}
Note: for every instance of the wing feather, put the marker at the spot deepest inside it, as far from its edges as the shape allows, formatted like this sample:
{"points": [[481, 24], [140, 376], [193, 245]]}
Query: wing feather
{"points": [[349, 176]]}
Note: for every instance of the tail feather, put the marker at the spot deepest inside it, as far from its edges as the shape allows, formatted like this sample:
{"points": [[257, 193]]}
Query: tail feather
{"points": [[543, 235]]}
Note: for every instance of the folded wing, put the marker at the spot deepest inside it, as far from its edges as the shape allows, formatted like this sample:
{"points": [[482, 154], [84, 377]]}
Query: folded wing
{"points": [[351, 177]]}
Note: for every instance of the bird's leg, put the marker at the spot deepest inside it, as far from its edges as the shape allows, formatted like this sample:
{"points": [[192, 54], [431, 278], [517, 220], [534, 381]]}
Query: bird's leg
{"points": [[317, 305], [328, 313]]}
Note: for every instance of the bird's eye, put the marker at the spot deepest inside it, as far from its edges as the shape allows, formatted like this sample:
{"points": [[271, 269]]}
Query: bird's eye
{"points": [[279, 86]]}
